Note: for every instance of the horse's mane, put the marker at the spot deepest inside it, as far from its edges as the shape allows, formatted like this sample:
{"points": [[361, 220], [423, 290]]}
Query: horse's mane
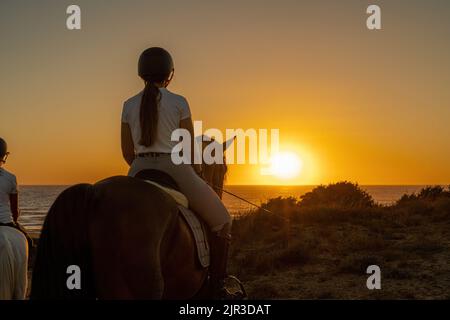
{"points": [[225, 173], [60, 236]]}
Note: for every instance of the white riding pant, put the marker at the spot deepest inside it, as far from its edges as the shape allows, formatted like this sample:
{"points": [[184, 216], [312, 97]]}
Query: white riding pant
{"points": [[202, 198]]}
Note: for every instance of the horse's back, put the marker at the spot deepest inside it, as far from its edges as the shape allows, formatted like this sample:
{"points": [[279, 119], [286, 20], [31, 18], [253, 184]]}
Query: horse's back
{"points": [[129, 238], [141, 223], [13, 263], [130, 221]]}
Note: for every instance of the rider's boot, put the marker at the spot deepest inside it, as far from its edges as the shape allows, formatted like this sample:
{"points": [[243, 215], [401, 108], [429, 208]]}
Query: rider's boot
{"points": [[219, 242]]}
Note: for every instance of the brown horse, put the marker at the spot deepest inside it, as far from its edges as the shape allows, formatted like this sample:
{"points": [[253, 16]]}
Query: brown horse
{"points": [[128, 239]]}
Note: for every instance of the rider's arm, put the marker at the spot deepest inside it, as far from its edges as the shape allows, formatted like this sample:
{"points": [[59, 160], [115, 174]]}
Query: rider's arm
{"points": [[14, 204], [127, 143], [188, 125]]}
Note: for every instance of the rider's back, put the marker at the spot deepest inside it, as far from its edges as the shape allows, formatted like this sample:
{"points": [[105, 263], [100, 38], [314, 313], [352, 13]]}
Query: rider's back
{"points": [[8, 186], [172, 108]]}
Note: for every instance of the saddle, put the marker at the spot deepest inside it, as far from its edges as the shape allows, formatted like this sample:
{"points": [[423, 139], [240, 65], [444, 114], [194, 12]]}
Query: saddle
{"points": [[166, 183]]}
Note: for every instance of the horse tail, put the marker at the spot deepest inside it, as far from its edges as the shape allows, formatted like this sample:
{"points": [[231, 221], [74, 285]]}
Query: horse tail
{"points": [[64, 243]]}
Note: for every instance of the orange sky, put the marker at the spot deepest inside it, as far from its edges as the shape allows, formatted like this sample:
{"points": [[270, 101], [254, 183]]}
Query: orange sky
{"points": [[365, 106]]}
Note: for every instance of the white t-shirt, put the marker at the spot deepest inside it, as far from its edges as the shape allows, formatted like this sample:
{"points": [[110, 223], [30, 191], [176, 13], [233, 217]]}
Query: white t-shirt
{"points": [[8, 186], [171, 109]]}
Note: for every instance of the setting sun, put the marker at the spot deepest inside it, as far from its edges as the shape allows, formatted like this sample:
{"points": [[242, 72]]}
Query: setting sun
{"points": [[285, 165]]}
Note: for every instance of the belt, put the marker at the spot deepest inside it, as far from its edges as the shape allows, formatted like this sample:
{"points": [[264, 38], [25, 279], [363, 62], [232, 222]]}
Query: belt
{"points": [[151, 154], [10, 224]]}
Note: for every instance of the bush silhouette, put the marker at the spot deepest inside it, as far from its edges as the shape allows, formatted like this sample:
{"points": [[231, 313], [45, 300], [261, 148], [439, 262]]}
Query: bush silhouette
{"points": [[430, 193], [342, 195]]}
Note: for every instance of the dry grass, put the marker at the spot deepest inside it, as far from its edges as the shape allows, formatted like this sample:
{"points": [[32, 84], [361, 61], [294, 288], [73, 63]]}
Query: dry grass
{"points": [[322, 251]]}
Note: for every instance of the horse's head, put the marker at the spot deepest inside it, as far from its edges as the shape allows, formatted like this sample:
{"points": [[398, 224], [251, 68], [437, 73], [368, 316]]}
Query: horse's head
{"points": [[215, 174]]}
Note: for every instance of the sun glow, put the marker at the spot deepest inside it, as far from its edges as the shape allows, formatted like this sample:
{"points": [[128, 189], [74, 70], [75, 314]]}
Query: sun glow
{"points": [[285, 165]]}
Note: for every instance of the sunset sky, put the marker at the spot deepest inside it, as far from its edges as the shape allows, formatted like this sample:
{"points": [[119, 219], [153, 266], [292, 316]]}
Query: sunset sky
{"points": [[367, 106]]}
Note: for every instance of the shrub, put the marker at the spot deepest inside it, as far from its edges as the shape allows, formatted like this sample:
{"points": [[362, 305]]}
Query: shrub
{"points": [[432, 193], [342, 194], [429, 194], [282, 206]]}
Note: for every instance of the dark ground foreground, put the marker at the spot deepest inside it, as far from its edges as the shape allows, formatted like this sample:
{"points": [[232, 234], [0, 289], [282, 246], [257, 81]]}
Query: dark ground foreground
{"points": [[319, 246]]}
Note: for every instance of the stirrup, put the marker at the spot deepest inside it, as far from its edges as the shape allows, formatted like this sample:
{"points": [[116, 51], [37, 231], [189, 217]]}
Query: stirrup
{"points": [[238, 292]]}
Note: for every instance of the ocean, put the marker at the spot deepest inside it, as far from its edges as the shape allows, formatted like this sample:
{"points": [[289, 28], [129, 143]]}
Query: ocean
{"points": [[35, 201]]}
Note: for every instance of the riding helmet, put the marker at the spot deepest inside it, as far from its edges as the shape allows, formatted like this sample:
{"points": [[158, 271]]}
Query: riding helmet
{"points": [[155, 64], [3, 148]]}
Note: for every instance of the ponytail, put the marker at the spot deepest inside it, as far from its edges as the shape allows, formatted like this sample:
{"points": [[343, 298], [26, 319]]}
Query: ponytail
{"points": [[149, 113]]}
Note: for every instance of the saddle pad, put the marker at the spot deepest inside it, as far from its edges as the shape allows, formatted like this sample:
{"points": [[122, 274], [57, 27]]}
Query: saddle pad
{"points": [[200, 235], [176, 195]]}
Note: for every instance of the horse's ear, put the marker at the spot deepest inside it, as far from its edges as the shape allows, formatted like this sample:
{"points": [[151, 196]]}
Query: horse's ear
{"points": [[228, 143]]}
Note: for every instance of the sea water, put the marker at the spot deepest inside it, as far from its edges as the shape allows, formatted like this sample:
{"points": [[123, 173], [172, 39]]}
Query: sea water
{"points": [[36, 200]]}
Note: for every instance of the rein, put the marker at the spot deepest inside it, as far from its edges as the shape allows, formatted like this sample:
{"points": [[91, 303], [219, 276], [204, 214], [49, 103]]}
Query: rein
{"points": [[240, 198]]}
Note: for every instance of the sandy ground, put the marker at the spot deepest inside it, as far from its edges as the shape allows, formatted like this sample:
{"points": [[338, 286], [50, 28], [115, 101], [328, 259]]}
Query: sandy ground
{"points": [[414, 262]]}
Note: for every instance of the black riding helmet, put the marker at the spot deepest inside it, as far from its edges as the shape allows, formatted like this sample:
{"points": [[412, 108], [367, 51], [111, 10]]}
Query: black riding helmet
{"points": [[3, 148], [155, 64]]}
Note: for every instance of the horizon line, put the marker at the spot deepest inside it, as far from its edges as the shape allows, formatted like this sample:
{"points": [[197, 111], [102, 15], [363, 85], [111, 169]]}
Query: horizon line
{"points": [[277, 185]]}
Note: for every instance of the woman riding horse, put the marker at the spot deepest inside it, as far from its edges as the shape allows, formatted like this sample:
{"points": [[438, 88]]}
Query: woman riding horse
{"points": [[127, 236], [13, 244], [9, 196], [148, 120]]}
